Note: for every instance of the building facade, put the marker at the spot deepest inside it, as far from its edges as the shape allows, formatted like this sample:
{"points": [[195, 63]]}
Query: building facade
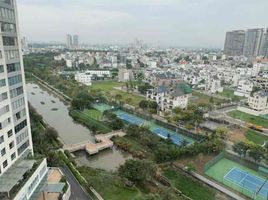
{"points": [[75, 42], [264, 45], [84, 78], [69, 41], [250, 43], [258, 101], [169, 98], [253, 39], [234, 43], [15, 134]]}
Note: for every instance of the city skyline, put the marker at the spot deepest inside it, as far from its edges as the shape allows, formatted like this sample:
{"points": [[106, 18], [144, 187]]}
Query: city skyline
{"points": [[104, 22]]}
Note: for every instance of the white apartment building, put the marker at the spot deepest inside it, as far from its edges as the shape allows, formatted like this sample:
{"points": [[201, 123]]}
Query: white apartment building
{"points": [[170, 98], [125, 75], [259, 101], [20, 176], [244, 88], [261, 82], [214, 85], [84, 78], [99, 73]]}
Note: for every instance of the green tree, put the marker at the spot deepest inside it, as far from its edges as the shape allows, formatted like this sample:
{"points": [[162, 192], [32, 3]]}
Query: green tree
{"points": [[143, 104], [137, 171], [177, 110], [241, 148], [222, 132], [256, 152]]}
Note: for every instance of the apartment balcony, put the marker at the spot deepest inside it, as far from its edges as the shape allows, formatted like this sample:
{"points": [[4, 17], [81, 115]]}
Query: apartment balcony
{"points": [[22, 177]]}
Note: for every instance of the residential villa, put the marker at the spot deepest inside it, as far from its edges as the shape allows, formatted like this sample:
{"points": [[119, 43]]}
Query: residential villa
{"points": [[168, 98]]}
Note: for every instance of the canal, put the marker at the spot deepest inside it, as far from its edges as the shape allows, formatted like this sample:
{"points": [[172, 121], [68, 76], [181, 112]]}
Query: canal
{"points": [[55, 113]]}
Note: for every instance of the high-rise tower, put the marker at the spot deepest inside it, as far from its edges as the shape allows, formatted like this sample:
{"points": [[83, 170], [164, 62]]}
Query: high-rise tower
{"points": [[234, 43], [15, 134]]}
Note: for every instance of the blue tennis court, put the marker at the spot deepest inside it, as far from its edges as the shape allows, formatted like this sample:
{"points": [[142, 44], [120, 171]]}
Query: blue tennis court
{"points": [[156, 129], [131, 118], [164, 133], [248, 181]]}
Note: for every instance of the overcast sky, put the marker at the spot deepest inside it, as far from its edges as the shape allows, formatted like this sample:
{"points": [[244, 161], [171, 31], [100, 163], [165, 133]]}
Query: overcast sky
{"points": [[190, 23]]}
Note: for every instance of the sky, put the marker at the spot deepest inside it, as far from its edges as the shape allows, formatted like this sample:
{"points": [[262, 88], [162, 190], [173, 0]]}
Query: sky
{"points": [[184, 23]]}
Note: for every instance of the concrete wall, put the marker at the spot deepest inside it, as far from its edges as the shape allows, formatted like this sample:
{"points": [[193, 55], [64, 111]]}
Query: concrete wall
{"points": [[252, 112], [38, 175]]}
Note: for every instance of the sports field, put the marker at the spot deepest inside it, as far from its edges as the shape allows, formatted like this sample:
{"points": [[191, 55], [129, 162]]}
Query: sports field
{"points": [[239, 178], [102, 107], [160, 131], [95, 114]]}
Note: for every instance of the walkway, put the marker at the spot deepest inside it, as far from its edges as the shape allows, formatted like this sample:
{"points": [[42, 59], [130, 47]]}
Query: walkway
{"points": [[217, 186], [53, 88], [103, 142], [77, 192]]}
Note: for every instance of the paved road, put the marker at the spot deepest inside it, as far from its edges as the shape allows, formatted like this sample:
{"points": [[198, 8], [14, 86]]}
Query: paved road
{"points": [[77, 193]]}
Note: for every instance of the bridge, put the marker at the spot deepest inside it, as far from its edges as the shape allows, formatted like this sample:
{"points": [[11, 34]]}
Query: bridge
{"points": [[103, 141]]}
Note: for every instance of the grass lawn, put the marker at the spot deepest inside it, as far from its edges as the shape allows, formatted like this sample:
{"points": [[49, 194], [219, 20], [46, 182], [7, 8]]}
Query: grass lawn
{"points": [[199, 98], [249, 118], [227, 92], [89, 122], [109, 185], [93, 113], [188, 186], [108, 90], [256, 137]]}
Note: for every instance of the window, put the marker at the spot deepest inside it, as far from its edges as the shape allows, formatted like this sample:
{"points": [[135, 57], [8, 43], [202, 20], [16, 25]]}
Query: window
{"points": [[13, 54], [18, 103], [6, 13], [16, 92], [14, 80], [9, 41], [11, 145], [13, 156], [2, 139], [19, 115], [5, 164], [6, 1], [3, 152], [5, 123], [20, 126], [23, 147], [13, 67], [2, 82], [21, 137], [4, 110], [9, 133], [7, 27], [1, 69], [3, 96]]}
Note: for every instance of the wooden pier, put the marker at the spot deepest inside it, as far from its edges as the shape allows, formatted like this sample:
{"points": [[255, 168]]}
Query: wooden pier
{"points": [[103, 141]]}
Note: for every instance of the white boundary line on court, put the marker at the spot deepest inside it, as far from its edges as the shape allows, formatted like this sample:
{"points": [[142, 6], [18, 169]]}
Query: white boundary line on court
{"points": [[244, 188]]}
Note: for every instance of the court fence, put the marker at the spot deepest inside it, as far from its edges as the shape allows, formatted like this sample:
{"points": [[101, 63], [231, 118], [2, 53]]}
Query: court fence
{"points": [[212, 162], [238, 159], [262, 170]]}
